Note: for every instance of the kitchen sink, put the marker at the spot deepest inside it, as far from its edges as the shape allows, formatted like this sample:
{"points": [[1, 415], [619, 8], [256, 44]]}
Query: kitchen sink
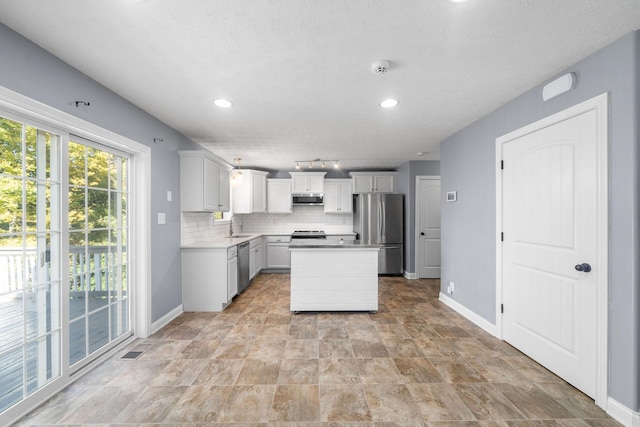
{"points": [[238, 236]]}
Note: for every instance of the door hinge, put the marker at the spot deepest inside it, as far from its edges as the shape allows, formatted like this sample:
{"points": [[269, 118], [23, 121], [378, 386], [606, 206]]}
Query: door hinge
{"points": [[502, 237], [501, 164], [501, 308]]}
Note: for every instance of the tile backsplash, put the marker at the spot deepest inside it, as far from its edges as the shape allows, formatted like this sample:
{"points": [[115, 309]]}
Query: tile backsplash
{"points": [[200, 227]]}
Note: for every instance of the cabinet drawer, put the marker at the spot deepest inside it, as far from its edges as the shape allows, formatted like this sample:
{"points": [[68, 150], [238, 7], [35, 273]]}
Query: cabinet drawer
{"points": [[341, 238], [232, 252], [279, 239]]}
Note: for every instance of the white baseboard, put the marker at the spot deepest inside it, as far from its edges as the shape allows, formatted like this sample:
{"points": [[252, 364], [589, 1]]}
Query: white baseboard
{"points": [[410, 276], [166, 319], [473, 317], [622, 414]]}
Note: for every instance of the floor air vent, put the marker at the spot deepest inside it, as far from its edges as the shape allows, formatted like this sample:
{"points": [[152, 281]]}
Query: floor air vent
{"points": [[132, 355]]}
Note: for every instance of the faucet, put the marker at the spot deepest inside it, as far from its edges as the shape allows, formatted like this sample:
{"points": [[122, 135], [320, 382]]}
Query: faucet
{"points": [[231, 227]]}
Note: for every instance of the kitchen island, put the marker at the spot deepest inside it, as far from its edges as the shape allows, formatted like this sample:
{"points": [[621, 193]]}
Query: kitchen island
{"points": [[332, 276]]}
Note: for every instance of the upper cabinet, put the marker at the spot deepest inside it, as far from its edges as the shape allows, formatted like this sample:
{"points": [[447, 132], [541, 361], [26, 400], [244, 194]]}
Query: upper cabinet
{"points": [[308, 182], [204, 184], [279, 196], [224, 190], [337, 196], [250, 192], [374, 182]]}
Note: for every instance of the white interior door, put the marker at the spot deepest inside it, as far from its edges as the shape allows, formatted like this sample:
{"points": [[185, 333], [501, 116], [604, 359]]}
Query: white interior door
{"points": [[550, 226], [428, 221]]}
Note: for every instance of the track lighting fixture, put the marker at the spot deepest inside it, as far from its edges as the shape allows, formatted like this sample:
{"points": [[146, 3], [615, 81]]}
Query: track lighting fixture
{"points": [[322, 163]]}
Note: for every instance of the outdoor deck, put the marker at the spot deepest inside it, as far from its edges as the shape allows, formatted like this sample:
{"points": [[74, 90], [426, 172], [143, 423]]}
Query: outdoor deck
{"points": [[12, 364]]}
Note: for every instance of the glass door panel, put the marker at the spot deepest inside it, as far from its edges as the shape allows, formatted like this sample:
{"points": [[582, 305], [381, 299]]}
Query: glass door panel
{"points": [[99, 306], [30, 298]]}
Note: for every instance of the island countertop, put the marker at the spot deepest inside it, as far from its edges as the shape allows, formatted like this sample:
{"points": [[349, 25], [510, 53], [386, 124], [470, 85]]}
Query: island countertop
{"points": [[322, 244], [225, 242]]}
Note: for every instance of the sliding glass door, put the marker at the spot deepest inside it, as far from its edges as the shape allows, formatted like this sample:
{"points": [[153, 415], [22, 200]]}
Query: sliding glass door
{"points": [[63, 249], [98, 280], [30, 274]]}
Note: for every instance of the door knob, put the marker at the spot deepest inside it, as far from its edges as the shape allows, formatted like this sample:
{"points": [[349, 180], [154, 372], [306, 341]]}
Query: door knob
{"points": [[422, 234], [584, 267]]}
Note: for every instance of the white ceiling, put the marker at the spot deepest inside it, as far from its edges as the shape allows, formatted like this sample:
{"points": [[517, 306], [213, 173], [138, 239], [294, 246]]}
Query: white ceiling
{"points": [[299, 71]]}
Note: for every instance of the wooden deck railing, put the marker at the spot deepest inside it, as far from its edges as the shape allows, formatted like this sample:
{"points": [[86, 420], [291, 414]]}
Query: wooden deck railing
{"points": [[88, 270]]}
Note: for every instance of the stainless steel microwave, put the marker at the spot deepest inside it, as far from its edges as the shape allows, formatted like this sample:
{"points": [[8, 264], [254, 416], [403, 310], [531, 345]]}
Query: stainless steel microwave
{"points": [[308, 199]]}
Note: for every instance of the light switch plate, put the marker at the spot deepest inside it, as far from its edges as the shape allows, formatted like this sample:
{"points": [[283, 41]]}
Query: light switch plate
{"points": [[161, 218], [169, 196]]}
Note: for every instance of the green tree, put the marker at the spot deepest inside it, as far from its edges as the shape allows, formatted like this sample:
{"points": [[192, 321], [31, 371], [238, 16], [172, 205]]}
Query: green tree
{"points": [[11, 183], [92, 184], [89, 180]]}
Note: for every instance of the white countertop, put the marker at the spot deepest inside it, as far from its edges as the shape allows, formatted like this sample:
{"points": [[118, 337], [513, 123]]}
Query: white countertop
{"points": [[228, 242], [222, 242], [323, 244]]}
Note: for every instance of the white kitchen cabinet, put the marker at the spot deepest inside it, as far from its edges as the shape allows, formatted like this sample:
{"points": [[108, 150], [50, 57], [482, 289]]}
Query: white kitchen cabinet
{"points": [[374, 182], [250, 193], [204, 184], [255, 257], [334, 279], [337, 196], [308, 182], [278, 252], [203, 187], [232, 272], [224, 190], [209, 278], [279, 196]]}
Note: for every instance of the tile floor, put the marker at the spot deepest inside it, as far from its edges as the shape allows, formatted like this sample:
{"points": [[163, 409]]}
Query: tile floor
{"points": [[413, 363]]}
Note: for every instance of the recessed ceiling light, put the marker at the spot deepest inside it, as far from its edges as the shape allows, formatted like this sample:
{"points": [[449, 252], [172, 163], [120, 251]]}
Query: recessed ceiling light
{"points": [[457, 1], [389, 103], [222, 103]]}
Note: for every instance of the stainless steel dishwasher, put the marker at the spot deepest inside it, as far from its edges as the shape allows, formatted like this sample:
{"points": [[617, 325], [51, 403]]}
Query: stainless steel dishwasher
{"points": [[243, 266]]}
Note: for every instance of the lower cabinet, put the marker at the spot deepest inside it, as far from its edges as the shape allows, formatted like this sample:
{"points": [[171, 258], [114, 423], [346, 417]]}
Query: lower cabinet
{"points": [[232, 272], [209, 278], [278, 256], [255, 257], [334, 279]]}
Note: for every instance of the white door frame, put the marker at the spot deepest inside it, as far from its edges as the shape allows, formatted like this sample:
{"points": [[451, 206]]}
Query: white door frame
{"points": [[416, 222], [140, 205], [16, 104], [600, 105]]}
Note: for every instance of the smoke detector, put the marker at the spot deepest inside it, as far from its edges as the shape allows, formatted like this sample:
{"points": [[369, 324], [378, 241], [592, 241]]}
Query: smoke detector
{"points": [[380, 67]]}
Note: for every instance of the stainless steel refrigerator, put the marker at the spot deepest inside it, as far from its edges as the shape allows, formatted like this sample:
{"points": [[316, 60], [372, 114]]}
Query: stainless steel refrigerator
{"points": [[378, 220]]}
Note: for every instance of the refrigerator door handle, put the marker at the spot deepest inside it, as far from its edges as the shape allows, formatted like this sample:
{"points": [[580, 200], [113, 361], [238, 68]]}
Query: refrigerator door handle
{"points": [[383, 227], [380, 222]]}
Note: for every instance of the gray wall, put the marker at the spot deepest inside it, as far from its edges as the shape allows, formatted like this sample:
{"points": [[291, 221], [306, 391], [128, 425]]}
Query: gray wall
{"points": [[468, 226], [407, 173], [33, 72]]}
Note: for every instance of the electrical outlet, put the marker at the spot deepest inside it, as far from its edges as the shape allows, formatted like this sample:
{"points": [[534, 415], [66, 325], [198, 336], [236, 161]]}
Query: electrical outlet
{"points": [[451, 287]]}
